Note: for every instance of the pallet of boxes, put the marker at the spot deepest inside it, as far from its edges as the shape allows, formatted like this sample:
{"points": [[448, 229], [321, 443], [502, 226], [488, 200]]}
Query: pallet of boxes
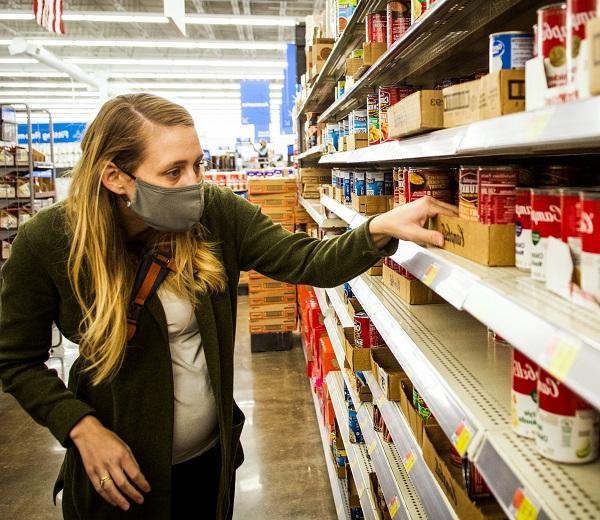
{"points": [[272, 304]]}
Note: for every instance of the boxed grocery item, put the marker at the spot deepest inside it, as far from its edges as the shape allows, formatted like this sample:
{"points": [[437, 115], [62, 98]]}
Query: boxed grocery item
{"points": [[271, 326], [415, 420], [487, 244], [420, 112], [436, 453], [272, 311], [360, 387], [353, 65], [272, 297], [257, 286], [314, 175], [320, 52], [376, 270], [301, 216], [6, 158], [272, 185], [356, 141], [388, 372], [372, 51], [354, 306], [8, 220], [7, 188], [21, 154], [461, 104], [274, 199], [357, 358], [502, 92], [280, 215], [342, 144], [353, 497], [327, 409], [370, 204], [413, 292]]}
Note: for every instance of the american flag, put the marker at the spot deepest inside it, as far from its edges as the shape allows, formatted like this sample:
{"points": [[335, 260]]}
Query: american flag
{"points": [[48, 13]]}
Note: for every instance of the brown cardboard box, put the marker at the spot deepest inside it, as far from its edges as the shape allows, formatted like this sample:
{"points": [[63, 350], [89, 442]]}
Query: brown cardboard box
{"points": [[353, 65], [388, 372], [372, 51], [593, 37], [272, 185], [413, 292], [285, 311], [363, 391], [357, 358], [338, 194], [354, 306], [301, 216], [370, 204], [321, 52], [269, 328], [356, 141], [461, 104], [257, 286], [272, 297], [412, 416], [420, 112], [342, 144], [314, 176], [376, 270], [436, 453], [487, 244], [280, 215], [502, 92], [274, 199], [353, 498]]}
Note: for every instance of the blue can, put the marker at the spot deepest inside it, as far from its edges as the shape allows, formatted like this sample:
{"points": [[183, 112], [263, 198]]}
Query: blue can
{"points": [[348, 290], [375, 182], [510, 50], [347, 188], [360, 183], [388, 183]]}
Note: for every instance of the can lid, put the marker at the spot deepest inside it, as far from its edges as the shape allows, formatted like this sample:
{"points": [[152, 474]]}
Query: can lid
{"points": [[590, 195], [523, 188], [498, 168], [553, 7], [545, 191], [523, 33]]}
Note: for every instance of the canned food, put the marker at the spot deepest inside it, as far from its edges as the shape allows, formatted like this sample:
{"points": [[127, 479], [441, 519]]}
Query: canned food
{"points": [[422, 181], [365, 333], [535, 41], [579, 12], [373, 119], [388, 96], [510, 50], [523, 243], [552, 35], [401, 186], [419, 7], [545, 223], [376, 27], [560, 175], [348, 290], [497, 193], [523, 402], [375, 183], [360, 183], [347, 187], [468, 193], [388, 183], [358, 122], [590, 244], [476, 485], [570, 210], [398, 20], [568, 426]]}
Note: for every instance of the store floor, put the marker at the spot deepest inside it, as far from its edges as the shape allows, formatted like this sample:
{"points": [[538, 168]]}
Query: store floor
{"points": [[284, 476]]}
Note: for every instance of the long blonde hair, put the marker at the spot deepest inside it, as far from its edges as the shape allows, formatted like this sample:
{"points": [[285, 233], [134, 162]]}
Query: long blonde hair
{"points": [[101, 271]]}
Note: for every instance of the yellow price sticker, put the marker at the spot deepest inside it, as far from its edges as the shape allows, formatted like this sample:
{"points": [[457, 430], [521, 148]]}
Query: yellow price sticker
{"points": [[409, 461], [431, 274], [522, 508], [394, 506], [461, 438], [371, 447], [561, 354]]}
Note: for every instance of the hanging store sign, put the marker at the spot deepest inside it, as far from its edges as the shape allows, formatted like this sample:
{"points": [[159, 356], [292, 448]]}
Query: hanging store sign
{"points": [[63, 133], [256, 106], [289, 91]]}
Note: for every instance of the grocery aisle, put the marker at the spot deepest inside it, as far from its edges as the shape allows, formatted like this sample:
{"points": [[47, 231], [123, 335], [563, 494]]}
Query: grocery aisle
{"points": [[284, 475]]}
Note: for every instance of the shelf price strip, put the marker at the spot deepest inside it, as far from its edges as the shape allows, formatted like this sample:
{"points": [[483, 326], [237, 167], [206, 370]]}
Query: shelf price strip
{"points": [[394, 506], [372, 447], [560, 355], [409, 461], [461, 438], [522, 508], [431, 274]]}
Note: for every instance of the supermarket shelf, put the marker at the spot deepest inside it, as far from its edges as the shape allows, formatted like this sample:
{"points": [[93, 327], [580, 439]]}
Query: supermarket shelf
{"points": [[542, 325], [465, 381], [313, 207], [38, 195], [22, 169], [566, 128], [7, 233], [338, 489], [312, 153], [336, 297], [432, 497], [322, 299], [360, 463]]}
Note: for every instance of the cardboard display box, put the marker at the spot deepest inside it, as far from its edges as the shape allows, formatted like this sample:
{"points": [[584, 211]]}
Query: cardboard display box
{"points": [[272, 185], [275, 199], [413, 417], [372, 51], [353, 65], [270, 328], [370, 204], [593, 37], [272, 311], [502, 93], [342, 144], [339, 195], [353, 498], [413, 292], [487, 244], [436, 452], [356, 141], [257, 286], [280, 215], [420, 112], [354, 306], [357, 358], [276, 297], [377, 269], [388, 372], [461, 104], [314, 176], [363, 391]]}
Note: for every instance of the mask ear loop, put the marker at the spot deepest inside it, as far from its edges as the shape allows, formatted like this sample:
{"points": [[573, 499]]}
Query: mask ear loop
{"points": [[127, 201]]}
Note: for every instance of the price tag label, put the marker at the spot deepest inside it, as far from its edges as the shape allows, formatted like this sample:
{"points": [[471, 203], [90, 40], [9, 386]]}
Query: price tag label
{"points": [[371, 447], [561, 354], [461, 438], [394, 506], [409, 461], [522, 508], [431, 275]]}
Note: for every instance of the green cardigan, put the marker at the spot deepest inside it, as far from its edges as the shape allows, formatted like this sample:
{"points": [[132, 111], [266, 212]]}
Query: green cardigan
{"points": [[138, 403]]}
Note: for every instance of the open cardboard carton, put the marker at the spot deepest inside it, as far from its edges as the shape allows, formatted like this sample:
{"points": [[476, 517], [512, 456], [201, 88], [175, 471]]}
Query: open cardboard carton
{"points": [[593, 58], [271, 185], [436, 452], [357, 359], [388, 372], [413, 417], [314, 176], [413, 292], [369, 205], [461, 104], [353, 498], [377, 269], [273, 311], [354, 306], [487, 244], [356, 141], [420, 112]]}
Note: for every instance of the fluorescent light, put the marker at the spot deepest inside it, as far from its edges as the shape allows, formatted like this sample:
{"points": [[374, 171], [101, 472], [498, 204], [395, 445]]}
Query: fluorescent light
{"points": [[274, 87], [39, 84], [24, 74], [115, 18], [251, 20], [175, 62], [17, 61], [150, 75], [15, 94], [17, 16]]}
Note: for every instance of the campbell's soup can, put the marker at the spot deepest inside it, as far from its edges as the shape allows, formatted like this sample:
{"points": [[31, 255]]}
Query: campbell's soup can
{"points": [[375, 182], [376, 27], [374, 125], [579, 13], [570, 210], [523, 402], [497, 193], [510, 50], [474, 481], [422, 181], [388, 96], [552, 36], [567, 426], [365, 333], [418, 8], [590, 244], [398, 20], [468, 190], [523, 243], [545, 222]]}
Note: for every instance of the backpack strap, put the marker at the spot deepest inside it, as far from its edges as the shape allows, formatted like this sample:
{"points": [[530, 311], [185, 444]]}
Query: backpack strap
{"points": [[152, 271]]}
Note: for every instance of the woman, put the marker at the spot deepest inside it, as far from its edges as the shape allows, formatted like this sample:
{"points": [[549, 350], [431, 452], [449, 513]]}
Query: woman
{"points": [[150, 424], [263, 154]]}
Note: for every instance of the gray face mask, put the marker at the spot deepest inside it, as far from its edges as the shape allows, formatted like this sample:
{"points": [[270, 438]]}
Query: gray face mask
{"points": [[168, 209]]}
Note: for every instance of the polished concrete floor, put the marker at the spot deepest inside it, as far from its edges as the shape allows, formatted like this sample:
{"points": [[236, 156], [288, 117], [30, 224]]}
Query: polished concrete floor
{"points": [[284, 476]]}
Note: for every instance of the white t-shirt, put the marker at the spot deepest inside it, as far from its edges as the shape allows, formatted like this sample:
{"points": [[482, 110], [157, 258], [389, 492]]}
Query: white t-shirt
{"points": [[195, 427]]}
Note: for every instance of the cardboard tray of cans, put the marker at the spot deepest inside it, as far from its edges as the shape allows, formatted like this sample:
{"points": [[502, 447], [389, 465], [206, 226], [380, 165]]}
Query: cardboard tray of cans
{"points": [[420, 112], [370, 204], [410, 290]]}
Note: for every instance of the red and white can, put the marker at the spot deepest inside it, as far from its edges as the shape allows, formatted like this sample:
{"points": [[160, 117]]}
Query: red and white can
{"points": [[590, 244], [496, 188], [398, 20], [568, 426], [545, 222], [376, 27], [365, 333], [468, 190], [388, 96], [535, 41], [523, 229], [579, 13], [552, 42], [523, 402], [570, 210]]}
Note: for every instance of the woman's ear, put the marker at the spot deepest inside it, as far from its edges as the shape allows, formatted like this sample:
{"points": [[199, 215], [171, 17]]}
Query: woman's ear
{"points": [[115, 180]]}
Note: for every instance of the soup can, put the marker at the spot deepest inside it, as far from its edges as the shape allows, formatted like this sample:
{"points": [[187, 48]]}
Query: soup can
{"points": [[579, 13], [523, 243], [376, 27], [552, 42], [510, 50], [523, 403], [545, 223], [398, 20]]}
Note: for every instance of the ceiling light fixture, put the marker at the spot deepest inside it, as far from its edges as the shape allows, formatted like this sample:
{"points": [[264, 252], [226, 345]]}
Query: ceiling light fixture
{"points": [[178, 62]]}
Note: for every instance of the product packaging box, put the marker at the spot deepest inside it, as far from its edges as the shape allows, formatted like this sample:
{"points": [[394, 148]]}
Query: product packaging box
{"points": [[461, 104], [372, 51], [376, 270], [413, 417], [268, 285], [353, 65], [354, 306], [370, 204], [274, 199], [356, 141], [420, 112], [357, 358], [320, 53], [353, 497], [413, 292], [272, 185], [487, 244], [314, 176], [502, 93], [388, 372], [270, 327], [282, 311]]}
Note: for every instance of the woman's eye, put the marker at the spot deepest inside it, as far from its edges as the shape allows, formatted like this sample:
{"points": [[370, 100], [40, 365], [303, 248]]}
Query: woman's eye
{"points": [[173, 173]]}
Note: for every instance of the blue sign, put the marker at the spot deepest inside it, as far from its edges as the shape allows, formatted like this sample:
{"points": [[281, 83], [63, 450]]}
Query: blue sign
{"points": [[63, 132], [256, 106], [289, 91]]}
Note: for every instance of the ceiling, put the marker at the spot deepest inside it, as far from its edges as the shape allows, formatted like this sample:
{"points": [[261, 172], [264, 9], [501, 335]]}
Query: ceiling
{"points": [[134, 47]]}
